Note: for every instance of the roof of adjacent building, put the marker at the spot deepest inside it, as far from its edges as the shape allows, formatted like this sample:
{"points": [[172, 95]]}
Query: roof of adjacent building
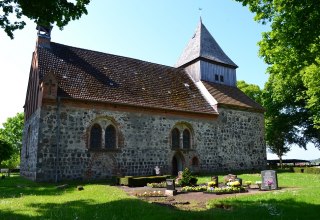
{"points": [[203, 45], [91, 75], [231, 96]]}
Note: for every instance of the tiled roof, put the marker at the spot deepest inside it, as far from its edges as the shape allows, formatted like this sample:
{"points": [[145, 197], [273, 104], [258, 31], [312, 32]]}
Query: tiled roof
{"points": [[203, 45], [91, 75], [231, 96]]}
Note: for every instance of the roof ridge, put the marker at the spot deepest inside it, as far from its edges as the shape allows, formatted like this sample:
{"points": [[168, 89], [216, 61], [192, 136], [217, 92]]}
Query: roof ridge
{"points": [[116, 55]]}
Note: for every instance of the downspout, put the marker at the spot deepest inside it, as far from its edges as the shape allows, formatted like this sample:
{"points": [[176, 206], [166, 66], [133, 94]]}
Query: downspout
{"points": [[58, 139]]}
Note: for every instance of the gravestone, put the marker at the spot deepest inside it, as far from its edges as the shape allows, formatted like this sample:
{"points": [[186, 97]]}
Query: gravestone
{"points": [[239, 180], [215, 180], [269, 180], [229, 178], [171, 187], [157, 171]]}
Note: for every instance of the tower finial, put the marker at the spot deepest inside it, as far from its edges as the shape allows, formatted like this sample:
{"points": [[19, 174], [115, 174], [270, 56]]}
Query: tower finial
{"points": [[200, 13]]}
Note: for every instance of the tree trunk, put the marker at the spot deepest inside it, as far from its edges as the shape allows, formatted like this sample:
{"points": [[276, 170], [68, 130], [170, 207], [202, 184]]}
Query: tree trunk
{"points": [[281, 164]]}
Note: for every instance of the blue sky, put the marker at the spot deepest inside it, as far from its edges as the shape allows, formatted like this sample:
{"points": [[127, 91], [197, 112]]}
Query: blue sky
{"points": [[155, 31]]}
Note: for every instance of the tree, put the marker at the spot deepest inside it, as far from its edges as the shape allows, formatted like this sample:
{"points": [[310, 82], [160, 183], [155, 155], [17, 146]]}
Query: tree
{"points": [[12, 133], [6, 150], [251, 90], [291, 48], [42, 12]]}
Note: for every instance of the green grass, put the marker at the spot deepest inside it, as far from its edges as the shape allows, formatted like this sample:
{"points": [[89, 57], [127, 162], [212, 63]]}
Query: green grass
{"points": [[23, 199]]}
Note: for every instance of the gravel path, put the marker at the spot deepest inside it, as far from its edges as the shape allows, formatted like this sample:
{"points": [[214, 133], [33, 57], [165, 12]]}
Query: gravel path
{"points": [[191, 200]]}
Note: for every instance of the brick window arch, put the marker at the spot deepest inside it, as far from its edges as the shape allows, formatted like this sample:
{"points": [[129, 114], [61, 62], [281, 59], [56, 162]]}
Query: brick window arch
{"points": [[186, 139], [110, 137], [175, 138], [95, 136]]}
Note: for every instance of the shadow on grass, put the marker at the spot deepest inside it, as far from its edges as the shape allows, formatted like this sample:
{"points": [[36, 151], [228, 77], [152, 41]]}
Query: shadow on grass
{"points": [[15, 186], [136, 209]]}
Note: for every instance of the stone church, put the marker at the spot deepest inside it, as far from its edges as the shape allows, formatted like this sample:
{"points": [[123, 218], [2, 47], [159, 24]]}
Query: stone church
{"points": [[93, 115]]}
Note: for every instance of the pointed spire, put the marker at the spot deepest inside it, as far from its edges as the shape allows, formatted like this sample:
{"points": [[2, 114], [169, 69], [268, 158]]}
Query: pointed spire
{"points": [[203, 45]]}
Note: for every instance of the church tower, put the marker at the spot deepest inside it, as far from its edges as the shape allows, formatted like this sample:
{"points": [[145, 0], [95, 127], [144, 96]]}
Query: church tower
{"points": [[204, 60]]}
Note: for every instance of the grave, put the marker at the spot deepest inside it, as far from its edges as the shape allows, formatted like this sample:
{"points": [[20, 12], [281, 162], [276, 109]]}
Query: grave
{"points": [[269, 180], [229, 178], [215, 180], [171, 188]]}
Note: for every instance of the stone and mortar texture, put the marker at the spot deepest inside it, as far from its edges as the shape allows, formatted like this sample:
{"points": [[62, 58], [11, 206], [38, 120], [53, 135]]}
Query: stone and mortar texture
{"points": [[232, 141]]}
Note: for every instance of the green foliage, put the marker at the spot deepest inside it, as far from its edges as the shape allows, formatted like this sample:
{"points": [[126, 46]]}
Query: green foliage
{"points": [[6, 150], [12, 133], [187, 178], [43, 13], [251, 90], [292, 50], [313, 170]]}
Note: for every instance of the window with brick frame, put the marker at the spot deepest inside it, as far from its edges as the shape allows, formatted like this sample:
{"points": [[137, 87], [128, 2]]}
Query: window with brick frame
{"points": [[110, 137], [175, 138], [186, 139], [95, 136]]}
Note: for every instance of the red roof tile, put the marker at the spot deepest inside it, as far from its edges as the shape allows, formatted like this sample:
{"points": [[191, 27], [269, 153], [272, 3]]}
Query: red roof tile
{"points": [[232, 96], [96, 76]]}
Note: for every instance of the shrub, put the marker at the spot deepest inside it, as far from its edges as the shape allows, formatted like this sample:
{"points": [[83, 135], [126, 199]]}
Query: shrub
{"points": [[187, 178], [313, 170]]}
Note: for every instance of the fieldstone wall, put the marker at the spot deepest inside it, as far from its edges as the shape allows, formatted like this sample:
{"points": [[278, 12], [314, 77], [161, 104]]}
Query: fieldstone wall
{"points": [[233, 141], [29, 157]]}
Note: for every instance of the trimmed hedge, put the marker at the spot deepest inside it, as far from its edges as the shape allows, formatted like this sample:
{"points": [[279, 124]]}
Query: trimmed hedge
{"points": [[313, 170], [141, 181]]}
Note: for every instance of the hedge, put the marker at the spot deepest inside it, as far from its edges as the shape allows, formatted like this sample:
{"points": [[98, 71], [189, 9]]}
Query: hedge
{"points": [[141, 181], [313, 170]]}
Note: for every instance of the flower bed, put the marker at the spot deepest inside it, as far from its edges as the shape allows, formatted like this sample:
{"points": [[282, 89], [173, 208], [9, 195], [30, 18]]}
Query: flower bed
{"points": [[194, 188], [226, 190], [151, 194], [157, 185]]}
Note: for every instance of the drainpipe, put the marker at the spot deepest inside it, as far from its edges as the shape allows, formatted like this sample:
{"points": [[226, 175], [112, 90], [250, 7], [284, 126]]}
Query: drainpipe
{"points": [[58, 139]]}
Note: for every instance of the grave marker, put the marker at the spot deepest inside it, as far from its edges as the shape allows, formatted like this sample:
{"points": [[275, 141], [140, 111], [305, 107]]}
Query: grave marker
{"points": [[269, 180]]}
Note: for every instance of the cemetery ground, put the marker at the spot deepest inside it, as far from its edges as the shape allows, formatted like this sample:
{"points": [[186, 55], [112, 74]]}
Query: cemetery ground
{"points": [[297, 198]]}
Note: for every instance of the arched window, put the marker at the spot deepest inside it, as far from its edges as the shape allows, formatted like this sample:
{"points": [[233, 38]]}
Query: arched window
{"points": [[110, 137], [175, 138], [186, 138], [95, 136]]}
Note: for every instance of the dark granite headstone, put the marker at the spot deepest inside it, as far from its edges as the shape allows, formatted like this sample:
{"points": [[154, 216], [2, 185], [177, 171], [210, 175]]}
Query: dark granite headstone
{"points": [[239, 180], [269, 180], [170, 184], [215, 180]]}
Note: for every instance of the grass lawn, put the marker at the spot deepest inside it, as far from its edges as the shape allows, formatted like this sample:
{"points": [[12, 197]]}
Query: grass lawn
{"points": [[23, 199]]}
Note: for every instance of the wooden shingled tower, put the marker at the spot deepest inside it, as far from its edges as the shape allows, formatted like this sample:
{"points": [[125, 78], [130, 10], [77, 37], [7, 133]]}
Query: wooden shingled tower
{"points": [[204, 59]]}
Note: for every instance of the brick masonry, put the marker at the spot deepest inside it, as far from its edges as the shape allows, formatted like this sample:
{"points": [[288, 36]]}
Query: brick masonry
{"points": [[232, 141]]}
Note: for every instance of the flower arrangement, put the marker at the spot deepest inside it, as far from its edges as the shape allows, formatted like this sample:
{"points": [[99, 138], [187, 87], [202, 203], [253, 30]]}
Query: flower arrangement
{"points": [[150, 194], [226, 190], [157, 185], [248, 183], [234, 184], [269, 182], [211, 184], [193, 188]]}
